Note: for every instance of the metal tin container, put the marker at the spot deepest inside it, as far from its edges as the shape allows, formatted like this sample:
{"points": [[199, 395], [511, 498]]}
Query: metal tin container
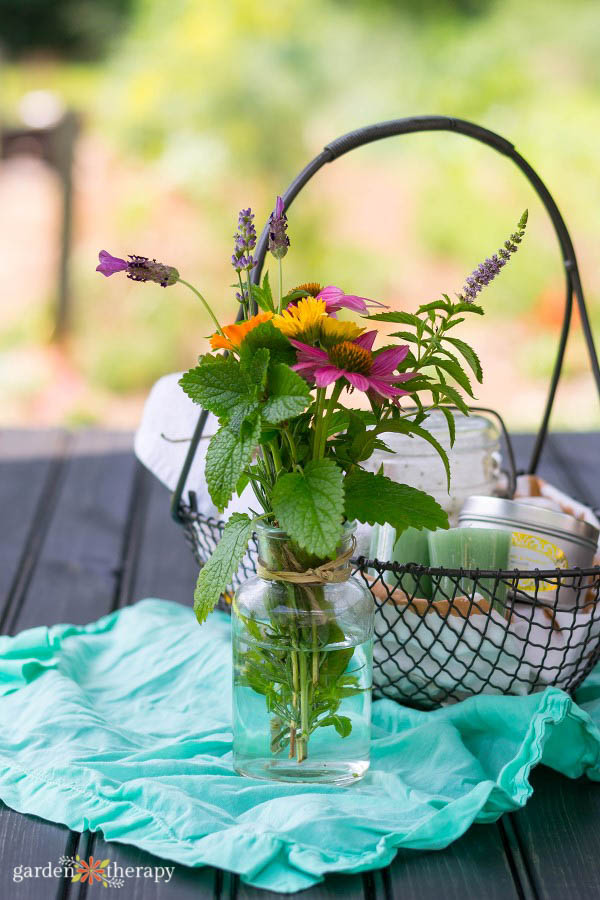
{"points": [[541, 539]]}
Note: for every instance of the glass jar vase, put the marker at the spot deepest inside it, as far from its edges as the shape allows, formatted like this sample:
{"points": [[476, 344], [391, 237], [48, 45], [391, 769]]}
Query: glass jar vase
{"points": [[302, 635]]}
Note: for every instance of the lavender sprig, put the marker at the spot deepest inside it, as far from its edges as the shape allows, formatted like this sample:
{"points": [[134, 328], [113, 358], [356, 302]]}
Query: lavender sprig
{"points": [[278, 239], [245, 242], [139, 268], [487, 270]]}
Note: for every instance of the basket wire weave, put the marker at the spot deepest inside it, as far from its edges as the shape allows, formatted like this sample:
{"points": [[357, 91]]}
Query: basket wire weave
{"points": [[502, 634], [429, 652]]}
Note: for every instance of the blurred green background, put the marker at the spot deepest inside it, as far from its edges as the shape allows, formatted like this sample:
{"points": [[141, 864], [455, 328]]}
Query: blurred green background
{"points": [[190, 110]]}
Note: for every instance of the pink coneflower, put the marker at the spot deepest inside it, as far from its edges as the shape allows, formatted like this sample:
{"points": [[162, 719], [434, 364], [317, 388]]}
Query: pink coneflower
{"points": [[335, 299], [354, 361]]}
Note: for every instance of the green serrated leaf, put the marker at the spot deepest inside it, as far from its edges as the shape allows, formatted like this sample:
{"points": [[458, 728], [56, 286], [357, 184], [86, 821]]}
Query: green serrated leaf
{"points": [[216, 575], [220, 386], [467, 307], [309, 505], [289, 394], [338, 422], [227, 456], [447, 413], [454, 396], [267, 293], [435, 304], [255, 368], [376, 499], [266, 335], [406, 336], [399, 316], [469, 354], [404, 426], [454, 370]]}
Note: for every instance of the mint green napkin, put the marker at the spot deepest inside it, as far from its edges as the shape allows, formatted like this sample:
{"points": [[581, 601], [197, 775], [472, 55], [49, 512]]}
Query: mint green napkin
{"points": [[123, 726]]}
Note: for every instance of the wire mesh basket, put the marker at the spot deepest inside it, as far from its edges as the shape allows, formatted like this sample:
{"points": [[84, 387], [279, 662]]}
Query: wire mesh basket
{"points": [[480, 631]]}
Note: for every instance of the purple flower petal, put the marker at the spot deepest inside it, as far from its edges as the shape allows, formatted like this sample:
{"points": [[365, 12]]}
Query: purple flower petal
{"points": [[386, 390], [110, 264], [389, 359], [309, 352], [335, 299], [366, 340], [326, 375], [360, 382], [279, 208]]}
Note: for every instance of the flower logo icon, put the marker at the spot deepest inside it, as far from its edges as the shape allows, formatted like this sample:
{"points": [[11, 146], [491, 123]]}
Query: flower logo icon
{"points": [[90, 871]]}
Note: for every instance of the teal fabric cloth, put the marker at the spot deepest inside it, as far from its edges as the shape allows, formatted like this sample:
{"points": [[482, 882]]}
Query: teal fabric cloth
{"points": [[123, 726]]}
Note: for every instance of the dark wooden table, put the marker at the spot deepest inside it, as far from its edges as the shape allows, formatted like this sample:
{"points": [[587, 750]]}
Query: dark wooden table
{"points": [[84, 529]]}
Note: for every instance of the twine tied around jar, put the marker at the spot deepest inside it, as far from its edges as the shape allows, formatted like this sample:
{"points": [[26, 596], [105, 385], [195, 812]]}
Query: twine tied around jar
{"points": [[334, 571]]}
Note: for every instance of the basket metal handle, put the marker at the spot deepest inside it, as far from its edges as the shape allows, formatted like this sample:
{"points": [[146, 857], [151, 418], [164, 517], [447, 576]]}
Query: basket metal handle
{"points": [[411, 125]]}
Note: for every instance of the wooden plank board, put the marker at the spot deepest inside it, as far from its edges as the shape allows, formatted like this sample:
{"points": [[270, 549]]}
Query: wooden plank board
{"points": [[474, 866], [157, 563], [78, 567], [559, 832], [343, 887], [166, 567], [30, 466], [78, 529]]}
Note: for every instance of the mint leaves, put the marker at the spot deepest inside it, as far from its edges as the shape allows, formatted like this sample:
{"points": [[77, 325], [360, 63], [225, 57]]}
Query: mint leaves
{"points": [[309, 505], [289, 394], [376, 499], [216, 575], [227, 456], [245, 395]]}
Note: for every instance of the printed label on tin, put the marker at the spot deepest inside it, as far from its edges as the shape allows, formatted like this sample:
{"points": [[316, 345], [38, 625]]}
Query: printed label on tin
{"points": [[532, 552]]}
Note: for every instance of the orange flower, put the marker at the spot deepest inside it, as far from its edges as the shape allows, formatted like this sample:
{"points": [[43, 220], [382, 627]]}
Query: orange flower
{"points": [[235, 334]]}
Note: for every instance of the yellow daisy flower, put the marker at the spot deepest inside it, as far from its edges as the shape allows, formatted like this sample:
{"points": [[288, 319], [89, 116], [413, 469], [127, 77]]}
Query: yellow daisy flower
{"points": [[332, 331], [301, 321]]}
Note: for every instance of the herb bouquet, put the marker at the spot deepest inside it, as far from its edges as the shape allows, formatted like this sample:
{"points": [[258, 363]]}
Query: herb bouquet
{"points": [[302, 628]]}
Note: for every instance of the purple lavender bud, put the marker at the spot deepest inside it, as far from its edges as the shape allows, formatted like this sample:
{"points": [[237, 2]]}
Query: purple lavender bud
{"points": [[244, 242], [487, 270], [140, 268], [278, 239]]}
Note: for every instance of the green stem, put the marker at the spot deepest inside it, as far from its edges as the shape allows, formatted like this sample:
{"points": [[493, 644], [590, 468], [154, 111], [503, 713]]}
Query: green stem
{"points": [[335, 396], [206, 306], [302, 743], [276, 456], [318, 420], [242, 294], [249, 310], [280, 285]]}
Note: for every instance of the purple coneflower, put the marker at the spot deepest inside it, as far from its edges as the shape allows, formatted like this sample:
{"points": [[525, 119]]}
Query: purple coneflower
{"points": [[278, 239], [139, 268], [354, 361], [335, 299], [487, 270]]}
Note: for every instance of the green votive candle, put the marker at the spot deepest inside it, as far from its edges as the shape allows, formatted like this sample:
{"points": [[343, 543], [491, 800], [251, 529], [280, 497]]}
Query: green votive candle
{"points": [[411, 547], [471, 548]]}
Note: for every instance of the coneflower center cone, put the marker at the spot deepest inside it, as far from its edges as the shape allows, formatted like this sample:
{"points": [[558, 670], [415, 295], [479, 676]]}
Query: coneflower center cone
{"points": [[351, 357]]}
